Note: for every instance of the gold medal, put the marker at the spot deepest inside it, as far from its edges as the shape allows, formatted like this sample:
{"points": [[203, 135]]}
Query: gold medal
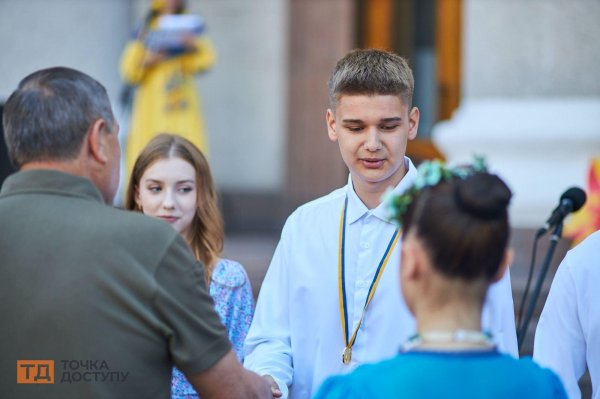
{"points": [[347, 356], [349, 342]]}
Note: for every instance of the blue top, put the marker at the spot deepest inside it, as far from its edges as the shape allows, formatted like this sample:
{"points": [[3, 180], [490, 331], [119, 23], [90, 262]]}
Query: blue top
{"points": [[234, 303], [432, 374]]}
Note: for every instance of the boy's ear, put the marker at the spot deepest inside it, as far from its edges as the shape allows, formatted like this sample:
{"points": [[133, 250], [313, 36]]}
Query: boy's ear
{"points": [[509, 255], [96, 141], [331, 126], [413, 122]]}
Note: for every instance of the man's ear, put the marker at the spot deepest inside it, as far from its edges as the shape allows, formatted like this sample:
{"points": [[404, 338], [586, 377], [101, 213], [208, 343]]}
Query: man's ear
{"points": [[331, 125], [96, 141], [413, 122], [509, 255]]}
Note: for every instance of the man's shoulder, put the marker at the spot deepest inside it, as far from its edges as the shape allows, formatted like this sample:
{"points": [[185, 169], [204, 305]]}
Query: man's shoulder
{"points": [[129, 224], [127, 230]]}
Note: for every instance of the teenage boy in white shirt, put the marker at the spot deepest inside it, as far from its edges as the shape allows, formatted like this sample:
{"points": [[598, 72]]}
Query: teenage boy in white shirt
{"points": [[330, 299]]}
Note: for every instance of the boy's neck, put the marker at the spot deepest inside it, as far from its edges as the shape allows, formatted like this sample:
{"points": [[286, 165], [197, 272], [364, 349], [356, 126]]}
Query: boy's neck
{"points": [[370, 193], [371, 198]]}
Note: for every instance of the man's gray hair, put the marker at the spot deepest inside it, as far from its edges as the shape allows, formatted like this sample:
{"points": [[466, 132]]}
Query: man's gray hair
{"points": [[50, 113], [371, 72]]}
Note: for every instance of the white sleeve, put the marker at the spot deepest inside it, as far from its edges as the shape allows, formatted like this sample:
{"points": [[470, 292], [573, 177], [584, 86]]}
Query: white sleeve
{"points": [[499, 316], [559, 341], [267, 347]]}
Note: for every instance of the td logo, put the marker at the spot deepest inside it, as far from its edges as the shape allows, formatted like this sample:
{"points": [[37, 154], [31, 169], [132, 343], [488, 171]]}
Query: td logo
{"points": [[35, 371]]}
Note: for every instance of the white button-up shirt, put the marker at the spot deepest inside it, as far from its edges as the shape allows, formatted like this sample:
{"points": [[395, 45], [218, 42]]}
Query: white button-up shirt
{"points": [[296, 335], [567, 337]]}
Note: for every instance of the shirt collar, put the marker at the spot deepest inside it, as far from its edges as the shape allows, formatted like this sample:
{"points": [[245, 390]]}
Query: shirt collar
{"points": [[357, 209], [50, 181]]}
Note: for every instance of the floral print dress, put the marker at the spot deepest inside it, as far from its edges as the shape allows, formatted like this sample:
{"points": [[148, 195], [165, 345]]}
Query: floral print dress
{"points": [[231, 291]]}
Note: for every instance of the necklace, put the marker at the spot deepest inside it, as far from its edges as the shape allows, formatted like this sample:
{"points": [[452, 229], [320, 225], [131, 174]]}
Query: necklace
{"points": [[350, 339], [472, 337]]}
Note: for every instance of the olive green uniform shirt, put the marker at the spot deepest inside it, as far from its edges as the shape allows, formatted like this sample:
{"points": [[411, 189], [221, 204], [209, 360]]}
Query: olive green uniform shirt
{"points": [[112, 298]]}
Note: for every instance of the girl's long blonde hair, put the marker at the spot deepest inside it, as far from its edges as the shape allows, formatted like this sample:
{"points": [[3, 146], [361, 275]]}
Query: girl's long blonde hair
{"points": [[207, 231]]}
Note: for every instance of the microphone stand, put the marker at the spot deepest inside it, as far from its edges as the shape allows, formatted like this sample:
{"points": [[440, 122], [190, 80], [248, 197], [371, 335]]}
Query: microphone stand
{"points": [[554, 238]]}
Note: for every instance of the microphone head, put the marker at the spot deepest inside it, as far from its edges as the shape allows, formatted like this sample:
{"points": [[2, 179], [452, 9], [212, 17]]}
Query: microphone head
{"points": [[576, 196]]}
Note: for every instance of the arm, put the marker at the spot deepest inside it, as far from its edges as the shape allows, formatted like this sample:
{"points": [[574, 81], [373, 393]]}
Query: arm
{"points": [[201, 56], [134, 62], [194, 335], [228, 379], [559, 341], [268, 344]]}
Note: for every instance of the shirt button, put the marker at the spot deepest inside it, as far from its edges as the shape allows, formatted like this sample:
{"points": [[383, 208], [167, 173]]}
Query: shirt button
{"points": [[366, 245]]}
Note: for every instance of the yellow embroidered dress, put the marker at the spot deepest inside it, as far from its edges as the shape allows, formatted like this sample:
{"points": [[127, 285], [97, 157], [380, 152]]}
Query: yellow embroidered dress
{"points": [[166, 99]]}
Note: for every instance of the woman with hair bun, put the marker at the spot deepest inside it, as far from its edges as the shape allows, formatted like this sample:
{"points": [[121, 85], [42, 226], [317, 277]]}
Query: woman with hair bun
{"points": [[455, 244]]}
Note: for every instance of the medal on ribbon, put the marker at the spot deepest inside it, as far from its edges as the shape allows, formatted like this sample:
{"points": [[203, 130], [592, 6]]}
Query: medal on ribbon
{"points": [[349, 342]]}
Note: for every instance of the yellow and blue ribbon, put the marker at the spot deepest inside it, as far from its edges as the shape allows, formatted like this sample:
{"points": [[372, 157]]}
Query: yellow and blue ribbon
{"points": [[342, 284]]}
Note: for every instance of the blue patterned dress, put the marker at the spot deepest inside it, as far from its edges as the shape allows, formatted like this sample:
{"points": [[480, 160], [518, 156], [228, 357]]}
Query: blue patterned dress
{"points": [[230, 289]]}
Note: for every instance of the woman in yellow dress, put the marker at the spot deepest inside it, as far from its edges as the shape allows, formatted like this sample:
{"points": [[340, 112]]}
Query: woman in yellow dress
{"points": [[163, 73]]}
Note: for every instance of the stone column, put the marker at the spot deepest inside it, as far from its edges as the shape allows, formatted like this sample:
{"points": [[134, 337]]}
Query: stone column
{"points": [[530, 97], [321, 33]]}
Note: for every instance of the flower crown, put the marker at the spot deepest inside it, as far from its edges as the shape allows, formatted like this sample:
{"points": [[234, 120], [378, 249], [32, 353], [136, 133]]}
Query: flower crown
{"points": [[429, 173]]}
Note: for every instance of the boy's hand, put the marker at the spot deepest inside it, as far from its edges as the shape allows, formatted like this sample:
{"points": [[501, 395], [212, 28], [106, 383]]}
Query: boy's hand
{"points": [[274, 386]]}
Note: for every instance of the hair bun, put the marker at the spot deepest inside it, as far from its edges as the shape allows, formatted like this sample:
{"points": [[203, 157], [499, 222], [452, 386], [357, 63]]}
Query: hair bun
{"points": [[483, 195]]}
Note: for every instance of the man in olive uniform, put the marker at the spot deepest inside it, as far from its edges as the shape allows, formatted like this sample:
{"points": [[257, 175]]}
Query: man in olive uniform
{"points": [[96, 302]]}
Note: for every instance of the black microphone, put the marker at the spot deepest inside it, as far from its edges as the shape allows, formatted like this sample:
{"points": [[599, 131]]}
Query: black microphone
{"points": [[570, 201]]}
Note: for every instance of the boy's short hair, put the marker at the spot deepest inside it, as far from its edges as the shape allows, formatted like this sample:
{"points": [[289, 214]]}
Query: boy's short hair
{"points": [[370, 72]]}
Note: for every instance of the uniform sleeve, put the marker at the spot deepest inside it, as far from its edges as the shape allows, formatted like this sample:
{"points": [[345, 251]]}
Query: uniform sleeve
{"points": [[268, 344], [499, 316], [201, 59], [196, 337], [559, 341]]}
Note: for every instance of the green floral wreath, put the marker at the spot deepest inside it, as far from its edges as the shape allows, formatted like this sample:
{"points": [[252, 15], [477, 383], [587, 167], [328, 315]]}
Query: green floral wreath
{"points": [[429, 173]]}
